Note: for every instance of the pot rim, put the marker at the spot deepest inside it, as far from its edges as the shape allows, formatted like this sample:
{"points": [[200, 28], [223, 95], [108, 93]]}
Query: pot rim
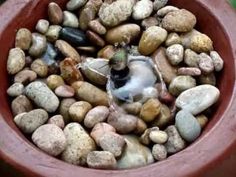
{"points": [[45, 165]]}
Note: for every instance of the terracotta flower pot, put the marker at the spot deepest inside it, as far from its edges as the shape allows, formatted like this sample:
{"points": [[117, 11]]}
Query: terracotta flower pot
{"points": [[19, 157]]}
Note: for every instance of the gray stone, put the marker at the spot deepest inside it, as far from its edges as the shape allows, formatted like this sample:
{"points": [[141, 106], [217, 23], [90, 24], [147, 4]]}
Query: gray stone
{"points": [[174, 143], [180, 84], [15, 90], [159, 152], [30, 121], [206, 63], [50, 138], [70, 20], [217, 61], [75, 4], [39, 45], [101, 160], [191, 58], [42, 26], [142, 9], [165, 10], [198, 99], [42, 96], [175, 54], [187, 125], [135, 154], [21, 104], [157, 4]]}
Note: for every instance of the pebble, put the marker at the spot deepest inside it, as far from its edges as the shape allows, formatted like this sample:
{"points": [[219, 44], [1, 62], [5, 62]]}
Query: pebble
{"points": [[42, 96], [64, 108], [15, 90], [165, 10], [50, 138], [106, 52], [101, 160], [70, 20], [197, 41], [148, 22], [39, 45], [99, 130], [67, 50], [189, 71], [42, 26], [150, 110], [207, 79], [144, 138], [113, 143], [202, 120], [30, 121], [28, 61], [97, 27], [78, 111], [142, 9], [75, 4], [172, 38], [123, 123], [87, 49], [198, 99], [25, 76], [39, 67], [54, 81], [157, 4], [87, 14], [159, 152], [65, 91], [135, 154], [123, 34], [53, 33], [79, 144], [115, 13], [151, 39], [175, 54], [96, 96], [96, 115], [179, 21], [95, 39], [57, 120], [158, 137], [23, 39], [217, 61], [191, 58], [73, 36], [167, 70], [141, 127], [164, 117], [55, 13], [180, 84], [15, 61], [206, 63], [69, 72], [21, 104], [132, 108], [187, 125], [96, 70], [174, 143]]}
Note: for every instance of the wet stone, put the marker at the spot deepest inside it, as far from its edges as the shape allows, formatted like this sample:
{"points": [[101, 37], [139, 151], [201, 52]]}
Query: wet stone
{"points": [[39, 45], [73, 36], [70, 20], [55, 13], [53, 33], [42, 26], [23, 39]]}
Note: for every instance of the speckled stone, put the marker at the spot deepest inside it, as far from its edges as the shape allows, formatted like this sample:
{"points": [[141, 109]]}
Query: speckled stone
{"points": [[15, 90], [142, 9], [15, 61], [42, 96], [175, 54], [23, 39], [157, 4]]}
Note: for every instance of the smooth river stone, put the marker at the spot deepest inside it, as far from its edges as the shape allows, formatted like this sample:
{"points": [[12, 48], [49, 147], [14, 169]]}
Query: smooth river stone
{"points": [[73, 36], [135, 154], [42, 96], [197, 99], [187, 125]]}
